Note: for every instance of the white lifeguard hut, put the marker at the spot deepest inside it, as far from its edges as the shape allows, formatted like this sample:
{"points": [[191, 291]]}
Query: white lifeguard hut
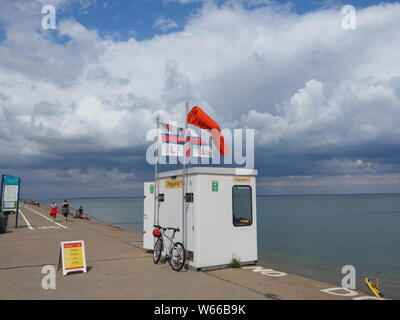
{"points": [[217, 219]]}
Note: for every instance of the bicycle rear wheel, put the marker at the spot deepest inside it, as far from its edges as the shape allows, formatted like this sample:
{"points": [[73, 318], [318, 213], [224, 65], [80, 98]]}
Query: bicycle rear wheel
{"points": [[158, 248], [178, 256]]}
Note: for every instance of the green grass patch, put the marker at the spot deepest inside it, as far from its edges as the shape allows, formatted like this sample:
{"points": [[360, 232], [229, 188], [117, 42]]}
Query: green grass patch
{"points": [[235, 263]]}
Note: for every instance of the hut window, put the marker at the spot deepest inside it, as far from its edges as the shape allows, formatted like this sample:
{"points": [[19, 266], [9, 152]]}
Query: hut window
{"points": [[242, 206]]}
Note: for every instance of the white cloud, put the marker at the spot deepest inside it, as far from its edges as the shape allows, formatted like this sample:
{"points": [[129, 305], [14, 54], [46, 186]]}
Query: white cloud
{"points": [[182, 1], [317, 116], [165, 24], [302, 81], [55, 3]]}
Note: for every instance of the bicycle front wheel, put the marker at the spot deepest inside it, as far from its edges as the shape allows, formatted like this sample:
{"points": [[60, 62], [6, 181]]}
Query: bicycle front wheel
{"points": [[158, 248], [178, 256]]}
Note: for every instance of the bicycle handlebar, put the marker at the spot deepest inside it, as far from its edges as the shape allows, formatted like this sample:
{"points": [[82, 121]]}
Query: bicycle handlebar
{"points": [[167, 228]]}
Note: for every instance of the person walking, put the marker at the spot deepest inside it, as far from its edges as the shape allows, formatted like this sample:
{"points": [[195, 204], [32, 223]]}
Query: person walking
{"points": [[65, 209], [53, 210]]}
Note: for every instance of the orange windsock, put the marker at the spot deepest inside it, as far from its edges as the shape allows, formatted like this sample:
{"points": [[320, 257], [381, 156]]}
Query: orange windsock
{"points": [[199, 118]]}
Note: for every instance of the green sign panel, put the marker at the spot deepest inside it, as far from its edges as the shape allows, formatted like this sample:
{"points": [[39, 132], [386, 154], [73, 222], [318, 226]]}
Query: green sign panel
{"points": [[152, 188], [11, 181], [214, 186], [10, 193]]}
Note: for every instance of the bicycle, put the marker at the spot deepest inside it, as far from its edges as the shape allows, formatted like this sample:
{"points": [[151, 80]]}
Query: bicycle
{"points": [[175, 252]]}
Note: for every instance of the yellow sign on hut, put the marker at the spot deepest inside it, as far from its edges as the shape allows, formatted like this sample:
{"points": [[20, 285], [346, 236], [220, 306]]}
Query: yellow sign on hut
{"points": [[173, 183], [241, 179]]}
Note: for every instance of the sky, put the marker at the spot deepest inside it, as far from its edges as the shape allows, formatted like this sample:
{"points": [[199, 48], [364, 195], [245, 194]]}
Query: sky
{"points": [[76, 102]]}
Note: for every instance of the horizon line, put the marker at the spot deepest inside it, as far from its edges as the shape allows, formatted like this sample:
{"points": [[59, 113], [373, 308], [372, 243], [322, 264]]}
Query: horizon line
{"points": [[260, 195]]}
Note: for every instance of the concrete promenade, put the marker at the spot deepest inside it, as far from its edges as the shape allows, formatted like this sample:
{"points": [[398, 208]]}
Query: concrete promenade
{"points": [[120, 269]]}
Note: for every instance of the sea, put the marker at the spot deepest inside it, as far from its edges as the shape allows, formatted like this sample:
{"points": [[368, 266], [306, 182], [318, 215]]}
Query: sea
{"points": [[314, 236]]}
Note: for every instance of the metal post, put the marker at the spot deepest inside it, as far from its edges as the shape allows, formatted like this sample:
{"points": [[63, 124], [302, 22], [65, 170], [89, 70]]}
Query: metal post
{"points": [[1, 192], [184, 189], [156, 217], [17, 213]]}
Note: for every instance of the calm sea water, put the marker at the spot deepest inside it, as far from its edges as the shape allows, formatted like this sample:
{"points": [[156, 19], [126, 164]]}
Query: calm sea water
{"points": [[313, 236]]}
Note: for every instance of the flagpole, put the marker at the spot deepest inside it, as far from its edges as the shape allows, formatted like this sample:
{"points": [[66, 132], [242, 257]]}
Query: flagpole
{"points": [[156, 217], [184, 189]]}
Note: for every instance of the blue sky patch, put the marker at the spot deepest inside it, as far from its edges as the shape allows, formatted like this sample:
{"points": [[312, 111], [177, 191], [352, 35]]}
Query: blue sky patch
{"points": [[122, 20], [125, 19], [2, 31]]}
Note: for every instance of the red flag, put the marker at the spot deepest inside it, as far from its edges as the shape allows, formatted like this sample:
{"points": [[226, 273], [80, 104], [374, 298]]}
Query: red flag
{"points": [[199, 118]]}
